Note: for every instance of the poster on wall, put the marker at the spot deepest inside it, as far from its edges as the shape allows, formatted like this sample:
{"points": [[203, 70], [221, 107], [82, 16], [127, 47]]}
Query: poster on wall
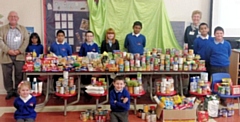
{"points": [[71, 16]]}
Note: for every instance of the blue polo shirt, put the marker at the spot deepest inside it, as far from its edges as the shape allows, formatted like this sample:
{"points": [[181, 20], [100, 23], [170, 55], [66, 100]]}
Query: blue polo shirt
{"points": [[63, 49]]}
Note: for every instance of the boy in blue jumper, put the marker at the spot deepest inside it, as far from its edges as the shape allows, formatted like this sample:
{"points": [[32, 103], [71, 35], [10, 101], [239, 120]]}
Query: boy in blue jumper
{"points": [[119, 101], [60, 47], [218, 53], [89, 45], [25, 104], [135, 42], [200, 43]]}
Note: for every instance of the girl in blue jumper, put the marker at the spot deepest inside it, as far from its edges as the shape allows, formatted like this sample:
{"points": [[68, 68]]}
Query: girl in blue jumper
{"points": [[35, 44], [25, 104], [89, 45]]}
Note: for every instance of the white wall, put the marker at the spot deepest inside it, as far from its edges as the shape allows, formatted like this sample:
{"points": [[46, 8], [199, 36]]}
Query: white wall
{"points": [[181, 10], [30, 13]]}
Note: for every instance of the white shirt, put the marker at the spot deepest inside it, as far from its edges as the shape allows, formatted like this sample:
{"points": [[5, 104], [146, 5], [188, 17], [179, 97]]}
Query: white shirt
{"points": [[216, 42], [61, 43], [26, 99], [204, 37], [136, 34]]}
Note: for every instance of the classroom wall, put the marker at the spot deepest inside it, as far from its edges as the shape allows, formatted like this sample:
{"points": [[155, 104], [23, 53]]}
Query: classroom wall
{"points": [[30, 13]]}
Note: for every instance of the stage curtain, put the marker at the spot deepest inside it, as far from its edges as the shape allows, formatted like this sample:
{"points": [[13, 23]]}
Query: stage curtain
{"points": [[121, 14]]}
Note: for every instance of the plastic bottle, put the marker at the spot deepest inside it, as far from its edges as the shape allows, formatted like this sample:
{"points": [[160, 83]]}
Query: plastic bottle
{"points": [[34, 54], [28, 79], [34, 85]]}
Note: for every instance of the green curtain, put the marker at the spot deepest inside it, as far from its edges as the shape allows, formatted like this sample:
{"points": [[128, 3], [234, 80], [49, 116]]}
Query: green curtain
{"points": [[121, 14]]}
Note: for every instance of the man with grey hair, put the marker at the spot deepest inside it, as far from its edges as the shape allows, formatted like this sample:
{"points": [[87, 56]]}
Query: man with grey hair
{"points": [[13, 42]]}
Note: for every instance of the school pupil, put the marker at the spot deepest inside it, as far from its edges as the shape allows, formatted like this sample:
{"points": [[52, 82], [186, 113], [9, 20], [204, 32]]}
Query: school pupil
{"points": [[200, 42], [35, 44], [25, 104], [119, 101], [191, 31], [218, 53], [135, 42], [110, 43], [60, 47], [89, 45]]}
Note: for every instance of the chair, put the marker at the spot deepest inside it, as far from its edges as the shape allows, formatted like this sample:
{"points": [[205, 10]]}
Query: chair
{"points": [[217, 78]]}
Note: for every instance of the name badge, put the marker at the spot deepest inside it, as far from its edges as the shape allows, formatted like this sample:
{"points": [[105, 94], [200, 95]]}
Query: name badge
{"points": [[191, 33], [17, 38]]}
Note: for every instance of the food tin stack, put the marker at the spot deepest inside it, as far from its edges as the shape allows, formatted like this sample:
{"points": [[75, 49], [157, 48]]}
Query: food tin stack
{"points": [[165, 85], [65, 85], [226, 112]]}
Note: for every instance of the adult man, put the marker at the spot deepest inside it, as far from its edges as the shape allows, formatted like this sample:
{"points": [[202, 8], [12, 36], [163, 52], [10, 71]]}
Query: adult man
{"points": [[13, 42]]}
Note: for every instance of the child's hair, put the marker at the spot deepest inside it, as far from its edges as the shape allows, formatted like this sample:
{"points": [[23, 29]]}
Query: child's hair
{"points": [[119, 78], [89, 32], [110, 31], [24, 83], [218, 28], [203, 24], [60, 31], [137, 23], [197, 12], [34, 35]]}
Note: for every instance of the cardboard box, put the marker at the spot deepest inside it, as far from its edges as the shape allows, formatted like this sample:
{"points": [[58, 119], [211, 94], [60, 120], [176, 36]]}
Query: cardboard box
{"points": [[188, 115], [235, 89]]}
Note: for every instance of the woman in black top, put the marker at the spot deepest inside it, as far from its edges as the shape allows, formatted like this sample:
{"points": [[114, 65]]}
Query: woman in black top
{"points": [[110, 43], [191, 31]]}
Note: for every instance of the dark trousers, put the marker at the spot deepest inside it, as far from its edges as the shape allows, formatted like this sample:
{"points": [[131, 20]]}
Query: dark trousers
{"points": [[7, 70], [25, 120], [119, 116], [213, 70]]}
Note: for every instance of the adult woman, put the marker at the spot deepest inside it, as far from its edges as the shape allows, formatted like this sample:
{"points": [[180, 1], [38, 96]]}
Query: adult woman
{"points": [[110, 43], [191, 31]]}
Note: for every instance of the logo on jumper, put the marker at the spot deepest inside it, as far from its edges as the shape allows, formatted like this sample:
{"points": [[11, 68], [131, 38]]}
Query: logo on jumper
{"points": [[93, 49], [31, 104], [63, 49], [139, 43]]}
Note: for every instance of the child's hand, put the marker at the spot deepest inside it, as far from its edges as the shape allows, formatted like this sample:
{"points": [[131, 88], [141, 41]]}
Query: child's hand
{"points": [[125, 100]]}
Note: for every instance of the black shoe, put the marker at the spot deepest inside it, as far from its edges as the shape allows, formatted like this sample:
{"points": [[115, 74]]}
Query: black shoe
{"points": [[15, 94], [9, 96]]}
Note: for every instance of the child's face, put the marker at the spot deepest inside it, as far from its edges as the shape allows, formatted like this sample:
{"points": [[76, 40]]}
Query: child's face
{"points": [[24, 91], [219, 35], [119, 85], [60, 37], [110, 36], [137, 29], [204, 30], [34, 40], [89, 37], [196, 18]]}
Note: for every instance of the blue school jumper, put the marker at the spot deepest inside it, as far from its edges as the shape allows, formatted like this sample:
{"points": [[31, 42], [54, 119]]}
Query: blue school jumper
{"points": [[61, 49], [135, 43], [85, 48], [119, 106], [38, 49]]}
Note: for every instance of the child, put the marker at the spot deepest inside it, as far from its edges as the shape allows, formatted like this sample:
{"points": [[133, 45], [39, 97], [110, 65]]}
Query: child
{"points": [[200, 43], [35, 44], [89, 45], [60, 47], [110, 43], [218, 53], [119, 101], [135, 42], [25, 104]]}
